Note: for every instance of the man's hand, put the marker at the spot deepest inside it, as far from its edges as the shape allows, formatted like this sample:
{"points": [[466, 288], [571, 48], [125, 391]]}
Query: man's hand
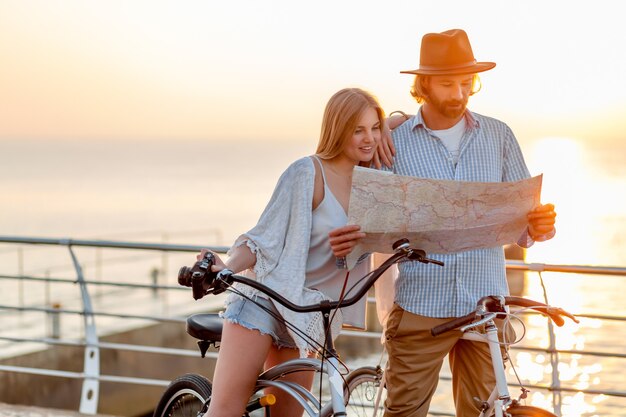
{"points": [[344, 239], [385, 149], [541, 222]]}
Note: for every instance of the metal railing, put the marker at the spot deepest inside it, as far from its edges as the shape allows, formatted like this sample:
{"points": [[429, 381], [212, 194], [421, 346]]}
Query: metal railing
{"points": [[91, 375]]}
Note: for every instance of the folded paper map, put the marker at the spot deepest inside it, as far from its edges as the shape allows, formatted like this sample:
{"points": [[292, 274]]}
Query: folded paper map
{"points": [[438, 216]]}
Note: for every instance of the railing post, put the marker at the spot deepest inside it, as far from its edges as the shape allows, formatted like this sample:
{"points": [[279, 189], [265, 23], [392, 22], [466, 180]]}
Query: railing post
{"points": [[55, 321], [154, 275], [556, 379], [555, 385], [91, 370], [20, 272], [98, 269], [47, 288], [163, 272]]}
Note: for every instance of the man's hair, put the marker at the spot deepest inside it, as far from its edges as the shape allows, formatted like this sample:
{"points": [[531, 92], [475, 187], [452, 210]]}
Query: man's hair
{"points": [[341, 117], [419, 90]]}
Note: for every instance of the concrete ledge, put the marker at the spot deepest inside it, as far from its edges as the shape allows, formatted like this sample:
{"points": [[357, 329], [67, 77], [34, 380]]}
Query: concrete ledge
{"points": [[12, 410]]}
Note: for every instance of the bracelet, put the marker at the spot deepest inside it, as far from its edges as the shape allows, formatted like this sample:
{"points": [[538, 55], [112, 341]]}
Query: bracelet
{"points": [[406, 116]]}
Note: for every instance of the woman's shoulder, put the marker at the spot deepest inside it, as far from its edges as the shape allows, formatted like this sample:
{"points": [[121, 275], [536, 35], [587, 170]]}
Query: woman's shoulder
{"points": [[299, 173], [302, 166], [304, 163]]}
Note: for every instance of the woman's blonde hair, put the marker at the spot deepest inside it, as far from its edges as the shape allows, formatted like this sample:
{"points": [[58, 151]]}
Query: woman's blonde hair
{"points": [[341, 116], [419, 90]]}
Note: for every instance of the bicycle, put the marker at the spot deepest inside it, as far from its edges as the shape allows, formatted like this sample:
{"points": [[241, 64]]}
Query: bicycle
{"points": [[368, 383], [190, 394]]}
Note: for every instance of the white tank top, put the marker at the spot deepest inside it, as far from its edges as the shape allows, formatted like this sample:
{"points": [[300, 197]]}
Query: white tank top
{"points": [[321, 269]]}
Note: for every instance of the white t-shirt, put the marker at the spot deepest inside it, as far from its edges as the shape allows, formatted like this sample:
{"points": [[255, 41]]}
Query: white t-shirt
{"points": [[451, 138]]}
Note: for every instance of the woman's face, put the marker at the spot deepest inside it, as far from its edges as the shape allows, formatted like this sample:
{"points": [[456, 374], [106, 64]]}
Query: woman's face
{"points": [[366, 136]]}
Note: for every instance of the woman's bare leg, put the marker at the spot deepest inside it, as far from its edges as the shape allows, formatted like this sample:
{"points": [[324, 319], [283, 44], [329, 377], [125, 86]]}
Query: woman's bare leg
{"points": [[285, 405], [242, 354]]}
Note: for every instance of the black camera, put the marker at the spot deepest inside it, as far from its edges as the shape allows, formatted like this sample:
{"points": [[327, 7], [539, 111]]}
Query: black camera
{"points": [[199, 277]]}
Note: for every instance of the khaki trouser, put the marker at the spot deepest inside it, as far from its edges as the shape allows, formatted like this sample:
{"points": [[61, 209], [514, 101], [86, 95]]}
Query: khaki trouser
{"points": [[416, 357]]}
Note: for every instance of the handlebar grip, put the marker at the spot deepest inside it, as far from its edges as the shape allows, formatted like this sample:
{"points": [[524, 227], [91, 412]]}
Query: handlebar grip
{"points": [[452, 324], [554, 313]]}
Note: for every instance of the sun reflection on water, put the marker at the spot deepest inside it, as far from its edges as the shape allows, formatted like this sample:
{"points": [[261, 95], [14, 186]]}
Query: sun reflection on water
{"points": [[535, 368]]}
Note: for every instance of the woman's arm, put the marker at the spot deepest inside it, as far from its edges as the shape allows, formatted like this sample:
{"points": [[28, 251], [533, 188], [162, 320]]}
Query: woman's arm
{"points": [[240, 259]]}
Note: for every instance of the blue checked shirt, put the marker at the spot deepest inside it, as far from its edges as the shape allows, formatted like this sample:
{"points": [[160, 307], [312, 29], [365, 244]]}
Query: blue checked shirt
{"points": [[488, 152]]}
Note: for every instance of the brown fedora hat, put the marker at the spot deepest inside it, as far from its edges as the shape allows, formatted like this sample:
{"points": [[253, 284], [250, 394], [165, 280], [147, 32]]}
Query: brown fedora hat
{"points": [[448, 53]]}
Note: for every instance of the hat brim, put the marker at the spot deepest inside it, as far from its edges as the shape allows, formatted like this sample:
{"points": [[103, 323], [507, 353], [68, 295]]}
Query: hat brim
{"points": [[472, 69]]}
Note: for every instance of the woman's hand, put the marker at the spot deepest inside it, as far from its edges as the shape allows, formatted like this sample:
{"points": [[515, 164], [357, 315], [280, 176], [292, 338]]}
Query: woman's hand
{"points": [[344, 239], [541, 222], [218, 264], [239, 259]]}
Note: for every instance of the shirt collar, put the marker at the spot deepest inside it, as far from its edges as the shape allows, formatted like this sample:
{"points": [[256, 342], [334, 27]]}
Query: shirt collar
{"points": [[418, 120]]}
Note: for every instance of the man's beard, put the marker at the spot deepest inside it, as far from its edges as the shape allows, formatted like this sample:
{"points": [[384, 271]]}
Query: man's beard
{"points": [[451, 108]]}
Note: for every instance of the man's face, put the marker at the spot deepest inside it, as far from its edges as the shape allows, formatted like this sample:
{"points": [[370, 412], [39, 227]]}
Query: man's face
{"points": [[448, 94]]}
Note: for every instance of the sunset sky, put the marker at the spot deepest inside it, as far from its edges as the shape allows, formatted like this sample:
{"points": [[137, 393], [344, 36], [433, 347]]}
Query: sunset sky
{"points": [[265, 69]]}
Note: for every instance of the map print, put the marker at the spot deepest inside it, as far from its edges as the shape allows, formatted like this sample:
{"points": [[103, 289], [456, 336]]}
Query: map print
{"points": [[438, 216]]}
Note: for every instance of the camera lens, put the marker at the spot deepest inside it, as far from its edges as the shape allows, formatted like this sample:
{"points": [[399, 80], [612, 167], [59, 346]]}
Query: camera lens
{"points": [[184, 276]]}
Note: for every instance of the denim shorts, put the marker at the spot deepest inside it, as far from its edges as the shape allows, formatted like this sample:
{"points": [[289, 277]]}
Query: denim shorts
{"points": [[250, 315]]}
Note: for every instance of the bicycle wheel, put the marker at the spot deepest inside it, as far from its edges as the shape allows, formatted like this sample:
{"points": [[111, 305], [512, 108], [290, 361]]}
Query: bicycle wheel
{"points": [[366, 392], [184, 397], [528, 411]]}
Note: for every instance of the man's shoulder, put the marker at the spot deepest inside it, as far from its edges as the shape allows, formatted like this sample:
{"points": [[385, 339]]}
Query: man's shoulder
{"points": [[406, 130], [488, 121]]}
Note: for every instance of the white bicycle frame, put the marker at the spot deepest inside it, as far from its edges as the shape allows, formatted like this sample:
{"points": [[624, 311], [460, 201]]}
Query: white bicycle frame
{"points": [[500, 398], [336, 382]]}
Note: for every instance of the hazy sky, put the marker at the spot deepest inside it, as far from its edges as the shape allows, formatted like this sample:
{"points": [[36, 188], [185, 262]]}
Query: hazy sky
{"points": [[265, 69]]}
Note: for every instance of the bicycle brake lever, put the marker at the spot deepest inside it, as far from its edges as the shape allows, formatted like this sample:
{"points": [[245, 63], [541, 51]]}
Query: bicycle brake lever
{"points": [[222, 281], [485, 319], [417, 255], [434, 261], [559, 311], [420, 256]]}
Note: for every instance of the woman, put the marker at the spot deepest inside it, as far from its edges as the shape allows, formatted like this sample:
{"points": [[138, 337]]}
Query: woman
{"points": [[289, 251]]}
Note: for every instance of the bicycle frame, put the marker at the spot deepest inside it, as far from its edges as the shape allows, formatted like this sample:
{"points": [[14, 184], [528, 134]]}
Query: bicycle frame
{"points": [[329, 364], [330, 361], [500, 397], [304, 397]]}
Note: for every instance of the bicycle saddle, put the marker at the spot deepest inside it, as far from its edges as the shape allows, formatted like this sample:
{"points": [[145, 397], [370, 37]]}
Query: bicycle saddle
{"points": [[205, 326]]}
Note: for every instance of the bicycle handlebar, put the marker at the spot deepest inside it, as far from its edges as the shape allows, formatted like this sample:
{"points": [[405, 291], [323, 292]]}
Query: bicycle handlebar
{"points": [[495, 304], [401, 251], [453, 324]]}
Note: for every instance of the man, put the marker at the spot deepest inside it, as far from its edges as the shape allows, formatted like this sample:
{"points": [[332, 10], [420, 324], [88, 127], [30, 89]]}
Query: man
{"points": [[447, 141]]}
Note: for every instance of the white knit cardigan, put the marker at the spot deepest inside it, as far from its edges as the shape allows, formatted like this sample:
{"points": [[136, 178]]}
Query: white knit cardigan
{"points": [[280, 241]]}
